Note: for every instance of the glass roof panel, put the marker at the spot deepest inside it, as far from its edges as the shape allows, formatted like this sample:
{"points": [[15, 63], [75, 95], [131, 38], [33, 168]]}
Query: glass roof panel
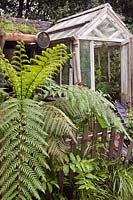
{"points": [[106, 28], [74, 21], [64, 34]]}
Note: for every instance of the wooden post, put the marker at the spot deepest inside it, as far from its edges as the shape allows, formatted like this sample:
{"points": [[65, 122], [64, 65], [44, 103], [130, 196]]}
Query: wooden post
{"points": [[71, 175], [92, 65], [61, 180], [120, 147], [129, 153], [2, 39], [84, 140], [77, 70], [111, 143], [71, 66], [94, 140], [131, 67], [125, 73], [104, 138]]}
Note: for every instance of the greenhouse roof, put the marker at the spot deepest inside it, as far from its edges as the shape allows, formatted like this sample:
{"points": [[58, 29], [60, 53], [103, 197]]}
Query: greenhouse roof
{"points": [[98, 22]]}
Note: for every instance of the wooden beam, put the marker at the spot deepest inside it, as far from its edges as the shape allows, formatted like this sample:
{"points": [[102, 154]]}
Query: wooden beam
{"points": [[20, 37], [106, 5], [99, 33], [115, 34], [121, 24], [87, 28], [77, 70], [101, 39], [92, 65], [125, 74], [131, 67]]}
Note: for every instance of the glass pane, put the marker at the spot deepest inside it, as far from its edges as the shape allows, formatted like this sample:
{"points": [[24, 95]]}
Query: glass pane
{"points": [[65, 73], [85, 62], [106, 28], [63, 76]]}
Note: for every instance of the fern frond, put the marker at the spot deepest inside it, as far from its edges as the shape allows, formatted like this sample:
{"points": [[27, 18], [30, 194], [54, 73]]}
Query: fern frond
{"points": [[57, 147], [25, 75], [58, 126], [81, 102], [11, 193], [21, 170], [56, 122]]}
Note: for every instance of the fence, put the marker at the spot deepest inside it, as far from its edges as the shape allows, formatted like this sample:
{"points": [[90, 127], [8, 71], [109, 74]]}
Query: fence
{"points": [[108, 149], [108, 139]]}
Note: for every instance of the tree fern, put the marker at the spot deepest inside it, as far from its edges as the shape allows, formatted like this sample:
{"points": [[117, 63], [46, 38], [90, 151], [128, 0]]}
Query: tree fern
{"points": [[24, 125]]}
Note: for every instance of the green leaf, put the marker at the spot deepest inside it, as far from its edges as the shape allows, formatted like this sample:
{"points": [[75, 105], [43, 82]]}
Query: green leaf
{"points": [[72, 167], [50, 187], [66, 169]]}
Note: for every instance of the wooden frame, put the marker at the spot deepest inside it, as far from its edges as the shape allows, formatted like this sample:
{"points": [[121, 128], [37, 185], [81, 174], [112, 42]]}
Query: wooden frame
{"points": [[125, 74], [77, 70], [92, 65], [131, 68]]}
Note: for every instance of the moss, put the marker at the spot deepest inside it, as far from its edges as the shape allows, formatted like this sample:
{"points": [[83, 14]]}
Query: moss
{"points": [[9, 26]]}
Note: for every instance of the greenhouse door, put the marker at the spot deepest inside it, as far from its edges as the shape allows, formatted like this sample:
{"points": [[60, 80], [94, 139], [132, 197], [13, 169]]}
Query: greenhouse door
{"points": [[125, 74], [87, 63]]}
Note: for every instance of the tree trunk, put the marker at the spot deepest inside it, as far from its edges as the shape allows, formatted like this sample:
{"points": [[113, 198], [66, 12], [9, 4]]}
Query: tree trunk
{"points": [[2, 40], [21, 7]]}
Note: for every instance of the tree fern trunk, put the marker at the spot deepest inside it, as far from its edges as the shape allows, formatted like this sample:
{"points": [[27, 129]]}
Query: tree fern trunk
{"points": [[20, 157]]}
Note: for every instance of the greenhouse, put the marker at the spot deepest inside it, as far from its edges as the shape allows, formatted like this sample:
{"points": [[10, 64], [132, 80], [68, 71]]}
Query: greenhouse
{"points": [[102, 46]]}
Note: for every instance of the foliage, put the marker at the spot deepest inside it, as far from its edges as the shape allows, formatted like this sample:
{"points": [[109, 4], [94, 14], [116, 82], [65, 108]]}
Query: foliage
{"points": [[122, 183], [24, 125], [89, 178], [81, 103], [53, 10], [9, 26], [25, 75], [32, 132], [95, 180], [130, 123]]}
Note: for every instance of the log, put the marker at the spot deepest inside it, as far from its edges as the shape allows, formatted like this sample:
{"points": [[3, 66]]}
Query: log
{"points": [[20, 37]]}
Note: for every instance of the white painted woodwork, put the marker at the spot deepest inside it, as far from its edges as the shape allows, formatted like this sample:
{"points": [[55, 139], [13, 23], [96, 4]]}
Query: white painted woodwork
{"points": [[87, 28], [97, 25], [131, 68], [70, 76], [115, 34], [77, 69], [125, 77], [101, 39], [118, 21], [92, 65], [99, 33]]}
